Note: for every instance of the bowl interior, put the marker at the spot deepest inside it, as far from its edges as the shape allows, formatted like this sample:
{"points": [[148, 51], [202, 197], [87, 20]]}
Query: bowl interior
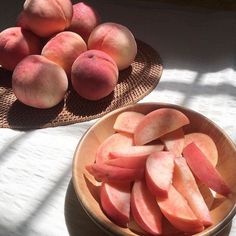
{"points": [[86, 187]]}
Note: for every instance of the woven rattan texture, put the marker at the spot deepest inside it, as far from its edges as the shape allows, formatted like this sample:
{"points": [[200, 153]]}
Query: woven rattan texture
{"points": [[134, 83]]}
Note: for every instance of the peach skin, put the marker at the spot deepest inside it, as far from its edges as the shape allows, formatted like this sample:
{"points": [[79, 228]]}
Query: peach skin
{"points": [[15, 44], [94, 75], [117, 41], [46, 18], [39, 82], [64, 48], [84, 20]]}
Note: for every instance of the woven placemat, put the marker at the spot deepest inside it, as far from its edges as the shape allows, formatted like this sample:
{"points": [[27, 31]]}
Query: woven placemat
{"points": [[134, 83]]}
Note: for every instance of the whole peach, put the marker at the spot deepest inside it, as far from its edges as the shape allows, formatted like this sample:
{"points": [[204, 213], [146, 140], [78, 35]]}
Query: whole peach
{"points": [[117, 41], [64, 48], [46, 18], [39, 82], [84, 20], [15, 44], [94, 75]]}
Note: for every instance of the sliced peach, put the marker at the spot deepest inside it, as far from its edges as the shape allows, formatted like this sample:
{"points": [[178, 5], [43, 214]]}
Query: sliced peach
{"points": [[169, 229], [206, 194], [205, 143], [115, 202], [204, 170], [134, 227], [176, 209], [145, 210], [108, 173], [159, 172], [174, 141], [184, 182], [157, 123], [131, 162], [136, 151], [114, 142], [127, 121]]}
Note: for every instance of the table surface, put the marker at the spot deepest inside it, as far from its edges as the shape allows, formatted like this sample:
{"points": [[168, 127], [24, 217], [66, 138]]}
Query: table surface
{"points": [[198, 48]]}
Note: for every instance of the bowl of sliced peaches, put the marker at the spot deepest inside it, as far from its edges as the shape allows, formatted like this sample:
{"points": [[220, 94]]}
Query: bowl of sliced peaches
{"points": [[156, 169]]}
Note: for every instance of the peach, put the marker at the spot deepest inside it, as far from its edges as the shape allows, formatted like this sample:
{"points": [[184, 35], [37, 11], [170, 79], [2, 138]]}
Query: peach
{"points": [[185, 183], [157, 123], [205, 143], [15, 44], [117, 41], [135, 151], [114, 142], [108, 173], [131, 162], [174, 141], [84, 20], [46, 18], [159, 172], [39, 82], [127, 121], [145, 210], [204, 170], [115, 202], [64, 48], [206, 193], [94, 75], [176, 209]]}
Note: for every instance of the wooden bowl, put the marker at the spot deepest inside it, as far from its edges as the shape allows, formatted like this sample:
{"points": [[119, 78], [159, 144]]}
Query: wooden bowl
{"points": [[86, 187]]}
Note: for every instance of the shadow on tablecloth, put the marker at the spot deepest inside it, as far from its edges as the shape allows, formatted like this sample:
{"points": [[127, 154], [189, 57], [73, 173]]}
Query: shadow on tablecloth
{"points": [[77, 221]]}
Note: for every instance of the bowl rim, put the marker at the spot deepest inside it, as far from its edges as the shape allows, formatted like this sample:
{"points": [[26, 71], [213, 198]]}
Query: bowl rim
{"points": [[211, 230]]}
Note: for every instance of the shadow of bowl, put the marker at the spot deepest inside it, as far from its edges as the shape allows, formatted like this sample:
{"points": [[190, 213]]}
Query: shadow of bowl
{"points": [[77, 221]]}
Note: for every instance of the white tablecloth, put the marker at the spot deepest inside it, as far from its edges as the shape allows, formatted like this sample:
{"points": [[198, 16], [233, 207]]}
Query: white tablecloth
{"points": [[198, 48]]}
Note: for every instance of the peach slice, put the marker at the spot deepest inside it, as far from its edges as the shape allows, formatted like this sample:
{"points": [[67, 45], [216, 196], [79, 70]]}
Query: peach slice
{"points": [[176, 209], [114, 142], [204, 170], [135, 151], [206, 194], [131, 162], [134, 227], [127, 121], [174, 141], [115, 202], [159, 172], [145, 210], [205, 143], [184, 182], [157, 123], [108, 173]]}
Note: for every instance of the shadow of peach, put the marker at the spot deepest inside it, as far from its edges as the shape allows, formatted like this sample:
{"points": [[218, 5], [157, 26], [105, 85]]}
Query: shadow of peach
{"points": [[5, 78], [24, 117]]}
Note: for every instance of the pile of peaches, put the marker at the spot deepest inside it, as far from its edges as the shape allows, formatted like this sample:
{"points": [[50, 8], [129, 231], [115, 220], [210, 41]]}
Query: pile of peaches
{"points": [[55, 43], [155, 179]]}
